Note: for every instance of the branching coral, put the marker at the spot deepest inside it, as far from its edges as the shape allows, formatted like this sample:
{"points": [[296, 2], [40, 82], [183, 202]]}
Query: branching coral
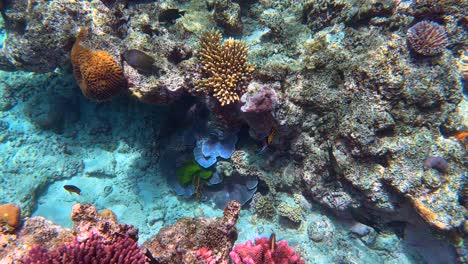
{"points": [[226, 70], [99, 76], [265, 251], [92, 250]]}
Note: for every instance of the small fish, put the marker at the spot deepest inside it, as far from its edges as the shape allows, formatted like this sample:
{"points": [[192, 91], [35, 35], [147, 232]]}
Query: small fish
{"points": [[72, 189], [139, 60], [461, 136], [272, 242], [268, 141], [170, 15]]}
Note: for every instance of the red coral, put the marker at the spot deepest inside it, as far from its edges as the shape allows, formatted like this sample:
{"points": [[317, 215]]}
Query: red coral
{"points": [[125, 250], [265, 251]]}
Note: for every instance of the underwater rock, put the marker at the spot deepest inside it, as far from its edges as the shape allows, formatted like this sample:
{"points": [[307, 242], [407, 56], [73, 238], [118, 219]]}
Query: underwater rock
{"points": [[320, 229], [227, 15], [180, 242], [103, 166], [31, 44]]}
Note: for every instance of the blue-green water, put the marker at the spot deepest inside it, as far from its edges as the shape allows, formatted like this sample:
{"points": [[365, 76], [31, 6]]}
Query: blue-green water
{"points": [[347, 113]]}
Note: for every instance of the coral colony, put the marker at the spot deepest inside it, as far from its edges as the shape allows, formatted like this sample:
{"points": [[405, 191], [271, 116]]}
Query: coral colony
{"points": [[233, 132]]}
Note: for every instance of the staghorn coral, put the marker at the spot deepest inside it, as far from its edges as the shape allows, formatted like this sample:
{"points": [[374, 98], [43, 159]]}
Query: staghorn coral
{"points": [[9, 217], [92, 250], [427, 38], [265, 251], [226, 70], [99, 76]]}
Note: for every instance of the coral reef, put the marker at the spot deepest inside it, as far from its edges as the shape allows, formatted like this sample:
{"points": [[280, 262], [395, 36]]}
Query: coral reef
{"points": [[182, 242], [350, 104], [93, 236], [91, 250], [266, 251], [9, 217], [99, 76], [427, 38], [226, 70]]}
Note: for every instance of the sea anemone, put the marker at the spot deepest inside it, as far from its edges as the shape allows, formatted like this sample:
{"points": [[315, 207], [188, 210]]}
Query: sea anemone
{"points": [[427, 38]]}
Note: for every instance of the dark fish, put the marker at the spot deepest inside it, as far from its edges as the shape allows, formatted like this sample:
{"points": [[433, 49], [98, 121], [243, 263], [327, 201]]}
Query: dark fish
{"points": [[72, 189], [272, 241], [139, 60], [170, 15]]}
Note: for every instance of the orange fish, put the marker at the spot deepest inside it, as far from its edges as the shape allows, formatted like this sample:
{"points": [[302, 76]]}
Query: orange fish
{"points": [[461, 136]]}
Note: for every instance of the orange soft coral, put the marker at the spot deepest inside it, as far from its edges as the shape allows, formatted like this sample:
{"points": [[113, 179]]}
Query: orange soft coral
{"points": [[99, 76]]}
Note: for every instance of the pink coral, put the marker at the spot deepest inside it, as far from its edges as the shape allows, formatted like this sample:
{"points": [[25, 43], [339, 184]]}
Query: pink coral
{"points": [[124, 250], [265, 251], [204, 256], [257, 111]]}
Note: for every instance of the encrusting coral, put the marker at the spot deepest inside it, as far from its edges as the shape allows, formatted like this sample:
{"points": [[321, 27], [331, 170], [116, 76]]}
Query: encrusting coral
{"points": [[9, 217], [99, 76], [226, 70]]}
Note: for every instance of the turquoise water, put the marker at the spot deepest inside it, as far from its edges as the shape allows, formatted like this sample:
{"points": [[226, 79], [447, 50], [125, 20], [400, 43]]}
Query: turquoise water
{"points": [[354, 112]]}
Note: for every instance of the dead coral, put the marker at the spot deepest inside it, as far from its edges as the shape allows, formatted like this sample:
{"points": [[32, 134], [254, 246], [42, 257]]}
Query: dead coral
{"points": [[99, 76], [226, 70]]}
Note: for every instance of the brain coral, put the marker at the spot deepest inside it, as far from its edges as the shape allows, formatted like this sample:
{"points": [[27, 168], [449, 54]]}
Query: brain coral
{"points": [[227, 72], [99, 76], [427, 38]]}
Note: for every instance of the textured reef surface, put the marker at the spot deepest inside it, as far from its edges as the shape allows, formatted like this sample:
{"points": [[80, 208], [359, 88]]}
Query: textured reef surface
{"points": [[338, 127]]}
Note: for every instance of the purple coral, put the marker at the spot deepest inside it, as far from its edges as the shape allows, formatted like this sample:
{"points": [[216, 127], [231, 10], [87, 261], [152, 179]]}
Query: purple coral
{"points": [[437, 163], [257, 111], [95, 249], [427, 38], [263, 101]]}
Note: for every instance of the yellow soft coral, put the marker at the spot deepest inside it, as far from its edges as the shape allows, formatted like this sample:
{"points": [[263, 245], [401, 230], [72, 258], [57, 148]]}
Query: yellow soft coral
{"points": [[99, 76], [227, 72]]}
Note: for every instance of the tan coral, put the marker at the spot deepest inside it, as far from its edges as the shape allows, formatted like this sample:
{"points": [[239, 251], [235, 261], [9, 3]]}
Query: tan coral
{"points": [[227, 72], [9, 217], [98, 75], [427, 214]]}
